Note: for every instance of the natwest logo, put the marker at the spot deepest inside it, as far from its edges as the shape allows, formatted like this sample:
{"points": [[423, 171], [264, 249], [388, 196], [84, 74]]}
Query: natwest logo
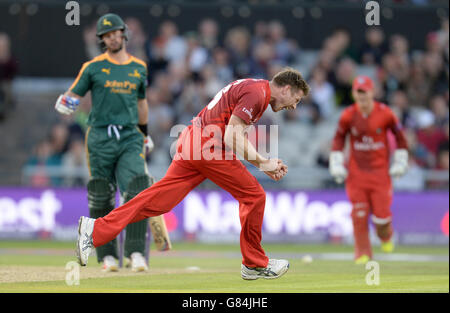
{"points": [[285, 213], [29, 214]]}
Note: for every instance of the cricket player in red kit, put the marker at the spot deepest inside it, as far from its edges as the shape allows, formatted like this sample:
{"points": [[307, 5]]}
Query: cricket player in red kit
{"points": [[207, 149], [368, 179]]}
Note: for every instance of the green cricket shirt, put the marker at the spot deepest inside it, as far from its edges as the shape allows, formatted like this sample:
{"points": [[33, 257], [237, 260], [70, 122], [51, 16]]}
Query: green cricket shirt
{"points": [[115, 89]]}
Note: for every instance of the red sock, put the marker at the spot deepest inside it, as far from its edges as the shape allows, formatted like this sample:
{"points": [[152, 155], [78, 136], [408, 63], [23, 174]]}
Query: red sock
{"points": [[360, 218]]}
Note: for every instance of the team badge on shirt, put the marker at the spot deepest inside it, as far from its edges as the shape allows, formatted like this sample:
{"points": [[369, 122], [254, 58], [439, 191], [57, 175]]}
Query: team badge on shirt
{"points": [[135, 74]]}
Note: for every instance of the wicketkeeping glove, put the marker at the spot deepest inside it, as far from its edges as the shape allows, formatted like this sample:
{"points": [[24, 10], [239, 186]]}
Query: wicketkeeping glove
{"points": [[66, 105], [336, 166], [400, 163]]}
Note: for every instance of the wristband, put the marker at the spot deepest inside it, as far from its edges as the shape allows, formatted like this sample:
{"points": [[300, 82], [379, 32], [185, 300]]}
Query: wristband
{"points": [[143, 129]]}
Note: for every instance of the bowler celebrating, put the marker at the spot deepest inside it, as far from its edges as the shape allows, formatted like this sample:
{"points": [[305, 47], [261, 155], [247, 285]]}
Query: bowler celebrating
{"points": [[368, 184], [207, 149]]}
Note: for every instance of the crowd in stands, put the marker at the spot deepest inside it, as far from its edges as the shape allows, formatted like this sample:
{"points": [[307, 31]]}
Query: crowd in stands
{"points": [[8, 70], [186, 70]]}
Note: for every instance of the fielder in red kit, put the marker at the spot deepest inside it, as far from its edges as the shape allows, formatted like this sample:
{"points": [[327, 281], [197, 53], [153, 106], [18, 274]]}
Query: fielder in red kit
{"points": [[207, 149], [368, 179]]}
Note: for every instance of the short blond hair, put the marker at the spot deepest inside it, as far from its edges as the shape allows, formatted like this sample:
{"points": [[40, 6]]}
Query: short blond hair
{"points": [[293, 78]]}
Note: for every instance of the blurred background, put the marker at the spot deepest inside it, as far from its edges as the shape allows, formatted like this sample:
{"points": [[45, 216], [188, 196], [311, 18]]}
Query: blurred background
{"points": [[193, 49]]}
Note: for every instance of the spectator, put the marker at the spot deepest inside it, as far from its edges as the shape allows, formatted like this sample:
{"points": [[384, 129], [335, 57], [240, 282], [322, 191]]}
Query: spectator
{"points": [[322, 92], [262, 55], [237, 42], [160, 117], [136, 39], [443, 156], [74, 130], [430, 136], [75, 166], [163, 84], [284, 50], [439, 107], [435, 74], [212, 84], [374, 47], [191, 101], [343, 78], [221, 64], [59, 140], [394, 73], [400, 105], [343, 42], [417, 87], [443, 38], [8, 70], [91, 42], [399, 48], [168, 44], [209, 32], [196, 56], [260, 33], [41, 164]]}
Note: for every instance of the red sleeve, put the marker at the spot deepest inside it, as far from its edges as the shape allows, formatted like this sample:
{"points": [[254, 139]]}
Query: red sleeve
{"points": [[249, 104], [396, 128], [341, 132]]}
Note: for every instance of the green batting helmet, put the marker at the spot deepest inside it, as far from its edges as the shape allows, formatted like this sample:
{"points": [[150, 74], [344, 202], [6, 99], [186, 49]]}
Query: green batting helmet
{"points": [[110, 22]]}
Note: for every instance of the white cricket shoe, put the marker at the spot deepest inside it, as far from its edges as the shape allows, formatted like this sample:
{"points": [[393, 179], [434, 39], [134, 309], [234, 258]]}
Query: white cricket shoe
{"points": [[84, 242], [275, 268], [110, 264], [138, 263]]}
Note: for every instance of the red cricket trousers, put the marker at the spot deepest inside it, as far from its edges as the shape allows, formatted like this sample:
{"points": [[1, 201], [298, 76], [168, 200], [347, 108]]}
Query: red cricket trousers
{"points": [[183, 175]]}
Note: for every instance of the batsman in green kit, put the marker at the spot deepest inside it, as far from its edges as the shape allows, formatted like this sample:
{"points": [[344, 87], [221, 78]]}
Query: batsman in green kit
{"points": [[117, 139]]}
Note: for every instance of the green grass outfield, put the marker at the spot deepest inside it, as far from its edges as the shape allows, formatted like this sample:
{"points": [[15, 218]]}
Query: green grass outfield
{"points": [[40, 266]]}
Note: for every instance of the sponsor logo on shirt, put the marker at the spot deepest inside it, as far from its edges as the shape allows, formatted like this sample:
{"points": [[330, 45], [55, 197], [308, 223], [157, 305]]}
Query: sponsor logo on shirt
{"points": [[248, 112], [367, 144], [120, 87], [106, 70]]}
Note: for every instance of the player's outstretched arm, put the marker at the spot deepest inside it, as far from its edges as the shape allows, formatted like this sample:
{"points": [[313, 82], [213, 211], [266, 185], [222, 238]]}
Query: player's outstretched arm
{"points": [[67, 103], [235, 139]]}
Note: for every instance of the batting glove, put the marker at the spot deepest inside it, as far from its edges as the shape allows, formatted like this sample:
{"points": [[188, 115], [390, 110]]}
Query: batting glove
{"points": [[148, 143], [336, 166], [400, 163], [66, 105]]}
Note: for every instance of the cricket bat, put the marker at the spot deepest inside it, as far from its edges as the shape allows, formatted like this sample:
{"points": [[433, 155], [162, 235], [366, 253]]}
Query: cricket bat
{"points": [[160, 233]]}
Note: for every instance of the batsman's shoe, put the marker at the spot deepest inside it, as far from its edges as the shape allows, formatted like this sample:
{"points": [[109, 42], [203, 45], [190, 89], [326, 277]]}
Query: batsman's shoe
{"points": [[110, 264], [84, 241], [138, 263], [387, 247], [363, 259], [275, 268]]}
